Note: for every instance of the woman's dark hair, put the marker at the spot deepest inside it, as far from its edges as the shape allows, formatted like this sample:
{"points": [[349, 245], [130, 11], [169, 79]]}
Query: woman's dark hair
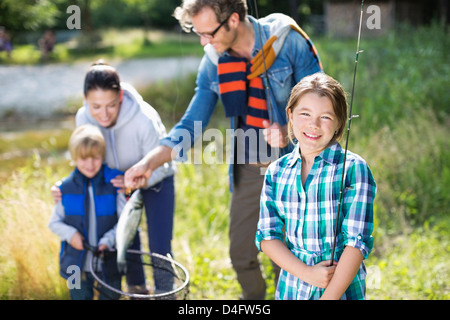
{"points": [[101, 76]]}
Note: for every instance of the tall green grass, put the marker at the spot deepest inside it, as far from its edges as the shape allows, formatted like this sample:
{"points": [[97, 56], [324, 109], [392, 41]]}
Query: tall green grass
{"points": [[402, 100], [402, 132], [29, 267]]}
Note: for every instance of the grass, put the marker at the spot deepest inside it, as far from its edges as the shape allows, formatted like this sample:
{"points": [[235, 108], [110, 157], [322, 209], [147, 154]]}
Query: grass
{"points": [[403, 129], [413, 266], [28, 256]]}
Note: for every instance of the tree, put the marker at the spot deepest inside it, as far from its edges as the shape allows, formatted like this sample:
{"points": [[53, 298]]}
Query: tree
{"points": [[20, 15], [144, 8]]}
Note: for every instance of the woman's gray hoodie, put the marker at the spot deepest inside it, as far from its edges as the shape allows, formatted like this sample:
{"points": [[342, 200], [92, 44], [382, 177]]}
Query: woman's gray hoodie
{"points": [[137, 131]]}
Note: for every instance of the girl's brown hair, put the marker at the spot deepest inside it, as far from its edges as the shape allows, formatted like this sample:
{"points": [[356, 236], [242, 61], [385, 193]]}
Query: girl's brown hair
{"points": [[322, 85]]}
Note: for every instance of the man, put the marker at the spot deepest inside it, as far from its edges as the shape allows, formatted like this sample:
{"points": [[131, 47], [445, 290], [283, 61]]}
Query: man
{"points": [[254, 88]]}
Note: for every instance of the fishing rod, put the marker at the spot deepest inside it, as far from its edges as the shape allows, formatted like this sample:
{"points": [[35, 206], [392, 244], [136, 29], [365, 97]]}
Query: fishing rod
{"points": [[350, 117]]}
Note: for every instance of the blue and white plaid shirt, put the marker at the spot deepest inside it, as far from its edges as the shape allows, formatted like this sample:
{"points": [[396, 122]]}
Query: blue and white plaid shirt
{"points": [[308, 214]]}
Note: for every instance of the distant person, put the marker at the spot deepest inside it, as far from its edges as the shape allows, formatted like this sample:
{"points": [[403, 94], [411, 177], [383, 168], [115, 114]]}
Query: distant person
{"points": [[300, 196], [254, 89], [88, 212], [47, 44], [132, 128], [5, 42]]}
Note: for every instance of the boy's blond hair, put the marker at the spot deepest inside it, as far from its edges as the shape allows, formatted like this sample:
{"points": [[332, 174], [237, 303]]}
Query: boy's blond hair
{"points": [[87, 141]]}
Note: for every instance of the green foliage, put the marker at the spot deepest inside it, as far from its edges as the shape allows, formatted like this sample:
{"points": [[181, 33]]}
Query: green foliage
{"points": [[171, 103], [398, 74], [29, 15], [410, 164], [402, 130], [413, 266], [204, 219], [111, 44]]}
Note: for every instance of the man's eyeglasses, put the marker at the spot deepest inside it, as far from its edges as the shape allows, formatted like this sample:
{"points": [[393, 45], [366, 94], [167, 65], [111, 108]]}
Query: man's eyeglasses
{"points": [[210, 36]]}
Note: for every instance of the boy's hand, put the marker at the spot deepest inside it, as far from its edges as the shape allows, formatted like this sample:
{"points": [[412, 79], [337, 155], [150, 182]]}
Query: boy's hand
{"points": [[77, 241], [119, 182], [102, 247], [321, 274]]}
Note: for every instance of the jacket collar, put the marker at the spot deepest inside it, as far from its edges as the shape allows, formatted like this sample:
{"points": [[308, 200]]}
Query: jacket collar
{"points": [[81, 178], [332, 154]]}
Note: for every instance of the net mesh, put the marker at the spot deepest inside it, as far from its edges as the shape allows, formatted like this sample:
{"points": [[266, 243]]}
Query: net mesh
{"points": [[166, 279]]}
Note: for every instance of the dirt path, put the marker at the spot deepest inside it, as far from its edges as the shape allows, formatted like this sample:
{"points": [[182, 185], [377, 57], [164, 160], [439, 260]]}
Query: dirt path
{"points": [[44, 89]]}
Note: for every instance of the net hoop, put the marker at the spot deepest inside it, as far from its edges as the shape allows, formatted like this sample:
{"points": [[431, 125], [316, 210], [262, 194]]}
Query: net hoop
{"points": [[169, 259]]}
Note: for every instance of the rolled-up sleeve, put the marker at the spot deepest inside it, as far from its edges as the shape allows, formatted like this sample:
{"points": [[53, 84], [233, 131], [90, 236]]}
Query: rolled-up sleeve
{"points": [[357, 226], [270, 224]]}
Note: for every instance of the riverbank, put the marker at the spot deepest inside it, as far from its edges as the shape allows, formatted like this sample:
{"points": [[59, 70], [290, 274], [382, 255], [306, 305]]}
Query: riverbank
{"points": [[44, 90]]}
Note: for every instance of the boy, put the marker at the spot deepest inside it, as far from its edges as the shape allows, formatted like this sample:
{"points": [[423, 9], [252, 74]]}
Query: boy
{"points": [[87, 213]]}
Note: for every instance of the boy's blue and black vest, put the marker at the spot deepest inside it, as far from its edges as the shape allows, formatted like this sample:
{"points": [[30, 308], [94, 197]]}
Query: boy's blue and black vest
{"points": [[75, 200]]}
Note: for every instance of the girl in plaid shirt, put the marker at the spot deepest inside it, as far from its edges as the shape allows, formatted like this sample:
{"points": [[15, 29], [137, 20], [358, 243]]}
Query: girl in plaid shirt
{"points": [[300, 196]]}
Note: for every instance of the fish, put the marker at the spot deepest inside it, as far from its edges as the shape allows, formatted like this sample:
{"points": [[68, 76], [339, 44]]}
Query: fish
{"points": [[127, 226]]}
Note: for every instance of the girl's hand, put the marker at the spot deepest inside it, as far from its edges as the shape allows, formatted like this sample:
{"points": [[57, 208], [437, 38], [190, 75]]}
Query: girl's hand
{"points": [[275, 134], [321, 274]]}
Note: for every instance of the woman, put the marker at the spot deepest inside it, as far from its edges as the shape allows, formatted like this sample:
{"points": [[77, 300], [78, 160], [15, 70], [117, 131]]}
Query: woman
{"points": [[132, 128]]}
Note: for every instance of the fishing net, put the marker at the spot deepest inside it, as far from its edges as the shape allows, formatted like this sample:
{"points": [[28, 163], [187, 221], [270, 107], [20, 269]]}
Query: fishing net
{"points": [[166, 279]]}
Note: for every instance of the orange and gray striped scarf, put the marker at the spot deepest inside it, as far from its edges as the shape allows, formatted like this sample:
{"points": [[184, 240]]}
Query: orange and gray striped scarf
{"points": [[241, 96]]}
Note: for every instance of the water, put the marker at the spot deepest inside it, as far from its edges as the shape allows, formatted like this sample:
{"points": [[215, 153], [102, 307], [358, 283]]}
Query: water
{"points": [[44, 90]]}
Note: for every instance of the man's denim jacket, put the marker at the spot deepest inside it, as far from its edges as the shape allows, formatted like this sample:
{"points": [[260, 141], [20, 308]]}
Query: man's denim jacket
{"points": [[294, 61]]}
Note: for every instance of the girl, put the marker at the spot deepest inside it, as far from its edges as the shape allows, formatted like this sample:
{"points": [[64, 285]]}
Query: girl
{"points": [[300, 198]]}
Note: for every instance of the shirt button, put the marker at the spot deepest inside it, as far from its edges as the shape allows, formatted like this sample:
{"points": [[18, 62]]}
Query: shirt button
{"points": [[358, 237]]}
